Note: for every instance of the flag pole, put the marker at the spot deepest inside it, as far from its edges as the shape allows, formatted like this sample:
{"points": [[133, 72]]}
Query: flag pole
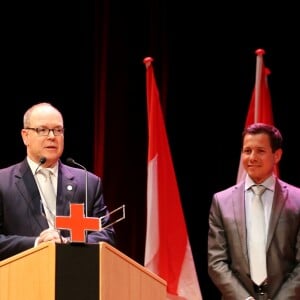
{"points": [[260, 107], [258, 78]]}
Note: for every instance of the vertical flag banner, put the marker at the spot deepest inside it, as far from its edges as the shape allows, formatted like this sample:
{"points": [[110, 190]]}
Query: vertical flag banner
{"points": [[260, 108], [167, 252]]}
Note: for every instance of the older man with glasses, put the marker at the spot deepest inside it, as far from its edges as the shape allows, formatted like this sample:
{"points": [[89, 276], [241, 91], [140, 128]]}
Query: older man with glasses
{"points": [[25, 218]]}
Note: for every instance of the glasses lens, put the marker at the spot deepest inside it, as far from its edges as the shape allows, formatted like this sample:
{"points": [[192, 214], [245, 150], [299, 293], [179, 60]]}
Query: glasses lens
{"points": [[58, 131], [42, 131]]}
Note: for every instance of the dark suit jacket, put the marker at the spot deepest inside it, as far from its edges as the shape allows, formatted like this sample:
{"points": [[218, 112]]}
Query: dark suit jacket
{"points": [[21, 211], [228, 264]]}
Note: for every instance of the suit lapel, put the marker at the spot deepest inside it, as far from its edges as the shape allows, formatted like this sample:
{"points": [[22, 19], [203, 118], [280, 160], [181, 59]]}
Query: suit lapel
{"points": [[280, 197], [27, 187], [238, 203], [66, 188]]}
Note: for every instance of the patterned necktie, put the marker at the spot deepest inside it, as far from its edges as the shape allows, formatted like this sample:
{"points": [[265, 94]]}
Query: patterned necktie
{"points": [[49, 195], [257, 238]]}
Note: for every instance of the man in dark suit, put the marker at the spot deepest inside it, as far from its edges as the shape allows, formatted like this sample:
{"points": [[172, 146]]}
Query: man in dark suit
{"points": [[25, 221], [230, 220]]}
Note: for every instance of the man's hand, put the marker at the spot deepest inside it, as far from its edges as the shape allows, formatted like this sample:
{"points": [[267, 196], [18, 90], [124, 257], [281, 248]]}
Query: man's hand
{"points": [[51, 234]]}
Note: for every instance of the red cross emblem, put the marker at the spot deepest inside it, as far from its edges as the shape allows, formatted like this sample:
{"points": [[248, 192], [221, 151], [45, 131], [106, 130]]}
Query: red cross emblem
{"points": [[77, 223]]}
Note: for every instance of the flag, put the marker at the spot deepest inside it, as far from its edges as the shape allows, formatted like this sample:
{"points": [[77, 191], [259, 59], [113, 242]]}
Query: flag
{"points": [[167, 251], [260, 108]]}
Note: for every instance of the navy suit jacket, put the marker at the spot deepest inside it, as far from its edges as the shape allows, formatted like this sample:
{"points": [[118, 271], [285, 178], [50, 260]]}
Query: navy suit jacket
{"points": [[21, 211], [228, 263]]}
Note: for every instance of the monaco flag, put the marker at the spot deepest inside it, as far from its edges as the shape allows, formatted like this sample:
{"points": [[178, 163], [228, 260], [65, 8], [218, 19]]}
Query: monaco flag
{"points": [[260, 108], [168, 252]]}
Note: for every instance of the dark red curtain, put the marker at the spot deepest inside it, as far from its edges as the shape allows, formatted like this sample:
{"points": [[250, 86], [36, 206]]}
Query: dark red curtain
{"points": [[120, 134]]}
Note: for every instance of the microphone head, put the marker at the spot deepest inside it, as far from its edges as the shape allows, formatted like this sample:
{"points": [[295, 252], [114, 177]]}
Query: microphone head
{"points": [[43, 160], [70, 161]]}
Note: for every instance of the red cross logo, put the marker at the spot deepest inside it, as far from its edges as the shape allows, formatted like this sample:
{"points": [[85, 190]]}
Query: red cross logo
{"points": [[77, 223]]}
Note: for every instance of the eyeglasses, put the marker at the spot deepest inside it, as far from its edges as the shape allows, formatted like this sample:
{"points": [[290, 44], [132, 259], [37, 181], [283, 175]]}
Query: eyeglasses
{"points": [[41, 131]]}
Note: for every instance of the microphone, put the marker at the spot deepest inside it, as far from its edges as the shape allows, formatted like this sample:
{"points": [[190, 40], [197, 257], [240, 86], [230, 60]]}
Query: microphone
{"points": [[41, 162], [71, 161]]}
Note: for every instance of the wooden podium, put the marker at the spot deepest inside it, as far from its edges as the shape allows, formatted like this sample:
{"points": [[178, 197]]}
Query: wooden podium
{"points": [[77, 271]]}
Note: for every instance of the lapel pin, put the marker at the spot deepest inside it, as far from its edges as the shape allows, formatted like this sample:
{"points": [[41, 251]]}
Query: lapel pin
{"points": [[69, 187]]}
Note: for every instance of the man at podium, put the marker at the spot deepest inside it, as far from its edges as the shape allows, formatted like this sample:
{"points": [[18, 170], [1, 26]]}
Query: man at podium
{"points": [[27, 214]]}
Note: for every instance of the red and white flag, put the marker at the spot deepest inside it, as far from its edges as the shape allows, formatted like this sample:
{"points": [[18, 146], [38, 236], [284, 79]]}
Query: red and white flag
{"points": [[260, 108], [168, 252]]}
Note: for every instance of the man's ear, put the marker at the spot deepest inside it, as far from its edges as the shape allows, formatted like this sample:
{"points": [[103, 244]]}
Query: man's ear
{"points": [[277, 155]]}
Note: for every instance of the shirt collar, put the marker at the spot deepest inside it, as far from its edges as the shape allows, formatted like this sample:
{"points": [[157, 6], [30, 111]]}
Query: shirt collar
{"points": [[269, 183], [33, 166]]}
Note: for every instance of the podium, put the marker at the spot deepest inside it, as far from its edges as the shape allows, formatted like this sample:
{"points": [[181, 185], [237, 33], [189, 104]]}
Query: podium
{"points": [[77, 271]]}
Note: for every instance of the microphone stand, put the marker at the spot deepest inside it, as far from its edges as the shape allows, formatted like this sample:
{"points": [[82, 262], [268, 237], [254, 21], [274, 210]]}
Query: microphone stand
{"points": [[71, 161]]}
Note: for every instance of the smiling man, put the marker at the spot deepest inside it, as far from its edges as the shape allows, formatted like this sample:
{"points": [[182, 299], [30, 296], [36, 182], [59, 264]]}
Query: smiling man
{"points": [[246, 261]]}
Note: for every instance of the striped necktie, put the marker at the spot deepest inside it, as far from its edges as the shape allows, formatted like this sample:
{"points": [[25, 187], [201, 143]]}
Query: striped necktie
{"points": [[49, 195]]}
